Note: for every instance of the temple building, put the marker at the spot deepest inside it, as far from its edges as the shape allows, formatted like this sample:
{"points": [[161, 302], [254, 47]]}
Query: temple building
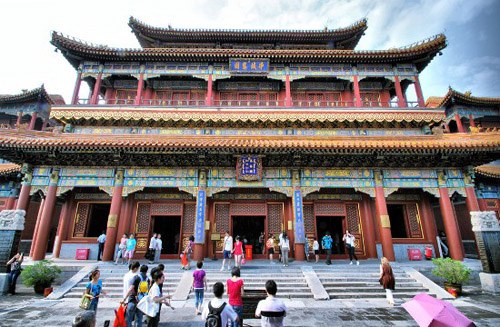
{"points": [[199, 132]]}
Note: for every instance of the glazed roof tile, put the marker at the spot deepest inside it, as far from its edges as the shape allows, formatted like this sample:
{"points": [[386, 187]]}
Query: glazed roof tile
{"points": [[488, 170], [346, 37], [32, 95], [34, 140], [9, 168], [421, 53], [455, 97], [69, 113]]}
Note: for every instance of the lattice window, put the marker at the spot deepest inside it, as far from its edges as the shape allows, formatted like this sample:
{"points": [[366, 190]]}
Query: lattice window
{"points": [[81, 219], [413, 219], [274, 218], [308, 210], [166, 209], [370, 99], [143, 218], [247, 209], [354, 226], [329, 209], [222, 217], [188, 218]]}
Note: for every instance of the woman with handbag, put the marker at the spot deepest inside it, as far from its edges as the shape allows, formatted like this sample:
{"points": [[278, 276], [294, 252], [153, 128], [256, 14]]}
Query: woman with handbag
{"points": [[93, 289], [186, 254], [15, 270], [155, 298]]}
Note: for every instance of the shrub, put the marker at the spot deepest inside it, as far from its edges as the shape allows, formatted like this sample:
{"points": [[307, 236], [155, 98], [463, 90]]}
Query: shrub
{"points": [[41, 274], [452, 271]]}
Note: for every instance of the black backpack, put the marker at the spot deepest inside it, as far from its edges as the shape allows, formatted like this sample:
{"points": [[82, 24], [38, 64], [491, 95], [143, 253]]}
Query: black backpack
{"points": [[213, 318]]}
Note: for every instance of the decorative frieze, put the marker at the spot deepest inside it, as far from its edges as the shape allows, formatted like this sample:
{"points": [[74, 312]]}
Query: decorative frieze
{"points": [[12, 220]]}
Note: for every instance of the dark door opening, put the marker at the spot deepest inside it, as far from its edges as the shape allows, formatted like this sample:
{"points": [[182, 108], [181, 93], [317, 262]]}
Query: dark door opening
{"points": [[249, 228], [169, 227], [335, 226], [397, 218]]}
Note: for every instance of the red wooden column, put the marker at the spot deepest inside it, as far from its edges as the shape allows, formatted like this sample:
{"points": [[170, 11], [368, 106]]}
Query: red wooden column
{"points": [[460, 126], [200, 217], [61, 230], [114, 215], [37, 225], [418, 91], [383, 215], [97, 87], [209, 98], [449, 220], [34, 115], [24, 195], [11, 200], [369, 228], [140, 87], [42, 236], [399, 93], [288, 90], [471, 200], [428, 222], [357, 92], [19, 119], [76, 90], [472, 123]]}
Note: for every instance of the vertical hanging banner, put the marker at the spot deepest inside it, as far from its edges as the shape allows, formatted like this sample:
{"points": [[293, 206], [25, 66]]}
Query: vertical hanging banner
{"points": [[299, 217], [199, 233]]}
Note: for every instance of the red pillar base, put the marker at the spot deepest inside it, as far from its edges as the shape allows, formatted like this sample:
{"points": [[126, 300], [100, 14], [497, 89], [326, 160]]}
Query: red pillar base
{"points": [[198, 252], [299, 252]]}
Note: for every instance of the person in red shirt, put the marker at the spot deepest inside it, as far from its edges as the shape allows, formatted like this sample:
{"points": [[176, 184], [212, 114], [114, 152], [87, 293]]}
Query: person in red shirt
{"points": [[235, 291], [238, 252]]}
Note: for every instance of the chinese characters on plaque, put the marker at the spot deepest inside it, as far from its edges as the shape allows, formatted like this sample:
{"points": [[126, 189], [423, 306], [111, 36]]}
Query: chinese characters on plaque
{"points": [[249, 168], [249, 65]]}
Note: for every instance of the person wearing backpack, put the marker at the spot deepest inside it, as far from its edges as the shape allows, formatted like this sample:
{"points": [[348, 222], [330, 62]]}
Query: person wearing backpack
{"points": [[138, 290], [326, 243], [217, 313]]}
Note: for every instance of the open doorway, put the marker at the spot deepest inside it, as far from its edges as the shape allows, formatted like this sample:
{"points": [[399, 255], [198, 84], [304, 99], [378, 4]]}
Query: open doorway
{"points": [[169, 227], [335, 226], [249, 227]]}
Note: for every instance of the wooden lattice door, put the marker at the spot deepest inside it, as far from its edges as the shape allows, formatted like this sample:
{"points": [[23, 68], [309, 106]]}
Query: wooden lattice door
{"points": [[354, 226]]}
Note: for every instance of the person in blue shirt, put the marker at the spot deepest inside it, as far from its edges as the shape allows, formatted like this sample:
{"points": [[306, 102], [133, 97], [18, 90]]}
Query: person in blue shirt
{"points": [[93, 289], [129, 252]]}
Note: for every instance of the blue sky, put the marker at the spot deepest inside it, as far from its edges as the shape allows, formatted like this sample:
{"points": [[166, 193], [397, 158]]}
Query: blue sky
{"points": [[470, 62]]}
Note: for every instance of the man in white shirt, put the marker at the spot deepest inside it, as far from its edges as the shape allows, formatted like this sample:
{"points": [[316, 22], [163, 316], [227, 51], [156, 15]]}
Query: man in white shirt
{"points": [[227, 313], [158, 247], [152, 247], [100, 241], [349, 240], [271, 311], [129, 277], [228, 248]]}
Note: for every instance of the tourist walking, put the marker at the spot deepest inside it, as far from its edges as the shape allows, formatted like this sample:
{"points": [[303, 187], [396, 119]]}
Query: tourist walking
{"points": [[326, 244], [285, 247], [100, 242], [158, 298], [157, 249], [138, 289], [217, 309], [152, 248], [271, 311], [280, 237], [188, 250], [316, 249], [387, 279], [261, 243], [306, 249], [270, 247], [129, 252], [238, 252], [227, 250], [15, 269], [235, 292], [93, 289], [349, 240], [128, 278], [122, 247], [199, 286]]}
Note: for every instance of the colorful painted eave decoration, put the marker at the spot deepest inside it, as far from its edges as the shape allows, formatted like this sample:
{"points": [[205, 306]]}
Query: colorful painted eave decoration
{"points": [[464, 143], [67, 114]]}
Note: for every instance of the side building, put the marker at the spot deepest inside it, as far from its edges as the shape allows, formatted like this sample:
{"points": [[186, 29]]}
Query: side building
{"points": [[205, 131]]}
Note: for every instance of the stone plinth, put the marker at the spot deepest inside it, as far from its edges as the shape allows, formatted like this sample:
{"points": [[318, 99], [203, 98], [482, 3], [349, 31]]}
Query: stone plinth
{"points": [[11, 226]]}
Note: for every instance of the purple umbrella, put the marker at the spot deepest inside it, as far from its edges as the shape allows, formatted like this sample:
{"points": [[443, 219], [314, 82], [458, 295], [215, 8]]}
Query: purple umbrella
{"points": [[429, 311]]}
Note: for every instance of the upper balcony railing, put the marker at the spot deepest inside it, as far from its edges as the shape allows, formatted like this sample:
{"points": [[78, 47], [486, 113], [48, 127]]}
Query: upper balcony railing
{"points": [[249, 103]]}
